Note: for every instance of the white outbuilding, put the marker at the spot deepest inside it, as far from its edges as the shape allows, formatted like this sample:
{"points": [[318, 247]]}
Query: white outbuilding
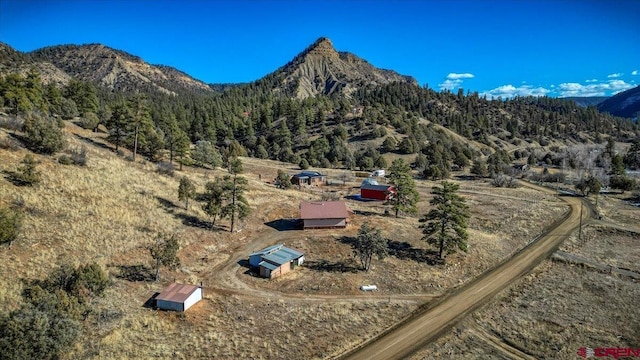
{"points": [[179, 297]]}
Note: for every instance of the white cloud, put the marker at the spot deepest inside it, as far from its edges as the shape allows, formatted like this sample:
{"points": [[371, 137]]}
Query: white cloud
{"points": [[634, 72], [454, 80], [509, 91], [455, 76], [616, 75], [600, 89], [450, 84], [591, 80]]}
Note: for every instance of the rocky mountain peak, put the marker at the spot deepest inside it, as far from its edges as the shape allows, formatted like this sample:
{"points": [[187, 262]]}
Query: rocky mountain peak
{"points": [[322, 47]]}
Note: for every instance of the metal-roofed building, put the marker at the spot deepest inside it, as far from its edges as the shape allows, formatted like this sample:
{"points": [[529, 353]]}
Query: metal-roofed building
{"points": [[324, 214], [179, 297], [276, 260], [309, 177], [377, 192]]}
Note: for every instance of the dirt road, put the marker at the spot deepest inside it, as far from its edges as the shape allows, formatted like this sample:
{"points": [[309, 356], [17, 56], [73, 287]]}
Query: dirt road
{"points": [[411, 335]]}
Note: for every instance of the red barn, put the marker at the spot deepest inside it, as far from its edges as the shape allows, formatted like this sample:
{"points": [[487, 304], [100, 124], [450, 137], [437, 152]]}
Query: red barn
{"points": [[377, 192]]}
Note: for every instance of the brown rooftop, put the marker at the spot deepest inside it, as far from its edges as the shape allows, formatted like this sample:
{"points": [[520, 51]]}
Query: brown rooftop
{"points": [[323, 210], [177, 292]]}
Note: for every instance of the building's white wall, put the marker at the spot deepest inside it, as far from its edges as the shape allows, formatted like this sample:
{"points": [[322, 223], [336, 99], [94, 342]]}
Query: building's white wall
{"points": [[300, 260], [194, 298]]}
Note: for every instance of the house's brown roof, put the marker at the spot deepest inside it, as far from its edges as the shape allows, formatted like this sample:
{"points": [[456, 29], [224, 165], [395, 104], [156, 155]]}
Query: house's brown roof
{"points": [[177, 292], [323, 210]]}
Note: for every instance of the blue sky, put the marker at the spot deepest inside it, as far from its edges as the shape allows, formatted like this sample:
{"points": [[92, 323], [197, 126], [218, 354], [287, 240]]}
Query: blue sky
{"points": [[495, 47]]}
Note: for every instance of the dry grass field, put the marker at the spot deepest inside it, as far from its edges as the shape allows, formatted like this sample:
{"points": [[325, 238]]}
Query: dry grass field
{"points": [[111, 210], [559, 307]]}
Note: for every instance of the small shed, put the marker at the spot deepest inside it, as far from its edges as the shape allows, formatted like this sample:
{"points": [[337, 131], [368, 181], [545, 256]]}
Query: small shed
{"points": [[179, 297], [324, 214], [276, 260], [377, 192], [309, 178]]}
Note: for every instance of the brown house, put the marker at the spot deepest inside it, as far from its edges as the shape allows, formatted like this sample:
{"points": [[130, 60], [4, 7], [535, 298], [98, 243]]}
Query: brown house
{"points": [[309, 178], [324, 214]]}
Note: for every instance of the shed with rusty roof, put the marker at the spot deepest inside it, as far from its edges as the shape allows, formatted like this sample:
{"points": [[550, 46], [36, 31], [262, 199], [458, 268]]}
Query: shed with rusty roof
{"points": [[324, 214], [179, 297]]}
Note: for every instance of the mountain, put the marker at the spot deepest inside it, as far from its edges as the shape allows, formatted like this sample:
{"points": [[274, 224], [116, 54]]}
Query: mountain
{"points": [[587, 100], [16, 61], [321, 70], [116, 69], [624, 104]]}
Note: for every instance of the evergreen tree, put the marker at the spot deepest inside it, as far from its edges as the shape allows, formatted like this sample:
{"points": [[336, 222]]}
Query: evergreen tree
{"points": [[445, 226], [283, 179], [118, 124], [237, 206], [186, 191], [141, 129], [43, 134], [27, 173], [479, 168], [10, 225], [164, 252], [369, 243], [214, 199], [406, 197]]}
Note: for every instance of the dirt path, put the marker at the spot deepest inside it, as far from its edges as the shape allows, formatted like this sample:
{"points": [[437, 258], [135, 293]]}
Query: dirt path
{"points": [[409, 336], [498, 344]]}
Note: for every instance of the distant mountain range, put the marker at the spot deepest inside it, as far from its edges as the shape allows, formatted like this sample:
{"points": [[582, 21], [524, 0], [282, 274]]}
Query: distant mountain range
{"points": [[318, 70], [624, 104], [587, 101]]}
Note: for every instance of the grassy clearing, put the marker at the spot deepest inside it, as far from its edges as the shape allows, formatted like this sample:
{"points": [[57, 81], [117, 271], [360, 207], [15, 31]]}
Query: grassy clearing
{"points": [[558, 308]]}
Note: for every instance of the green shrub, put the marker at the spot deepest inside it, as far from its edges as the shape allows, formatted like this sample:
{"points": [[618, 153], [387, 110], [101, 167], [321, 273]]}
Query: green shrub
{"points": [[165, 168], [10, 225], [65, 159], [43, 134], [27, 175], [89, 121]]}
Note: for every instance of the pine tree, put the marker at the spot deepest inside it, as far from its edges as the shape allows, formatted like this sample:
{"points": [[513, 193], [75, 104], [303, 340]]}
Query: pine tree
{"points": [[406, 197], [368, 244], [214, 199], [186, 191], [118, 123], [237, 206], [446, 224], [164, 252]]}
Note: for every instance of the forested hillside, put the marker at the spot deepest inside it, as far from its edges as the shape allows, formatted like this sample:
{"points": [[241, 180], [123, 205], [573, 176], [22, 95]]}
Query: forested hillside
{"points": [[382, 113]]}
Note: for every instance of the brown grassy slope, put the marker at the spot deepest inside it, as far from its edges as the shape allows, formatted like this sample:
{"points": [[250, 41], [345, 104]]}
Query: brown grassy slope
{"points": [[111, 211]]}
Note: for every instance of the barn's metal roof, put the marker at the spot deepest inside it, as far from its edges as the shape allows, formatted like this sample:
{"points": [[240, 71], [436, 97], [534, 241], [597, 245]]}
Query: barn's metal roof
{"points": [[277, 258], [268, 265], [291, 253], [267, 250], [177, 292], [376, 187], [323, 210]]}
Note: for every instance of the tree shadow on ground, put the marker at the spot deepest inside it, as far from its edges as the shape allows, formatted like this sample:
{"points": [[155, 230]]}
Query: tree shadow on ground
{"points": [[285, 224], [166, 203], [135, 273], [187, 219], [329, 266], [357, 197], [95, 143], [12, 177], [405, 251]]}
